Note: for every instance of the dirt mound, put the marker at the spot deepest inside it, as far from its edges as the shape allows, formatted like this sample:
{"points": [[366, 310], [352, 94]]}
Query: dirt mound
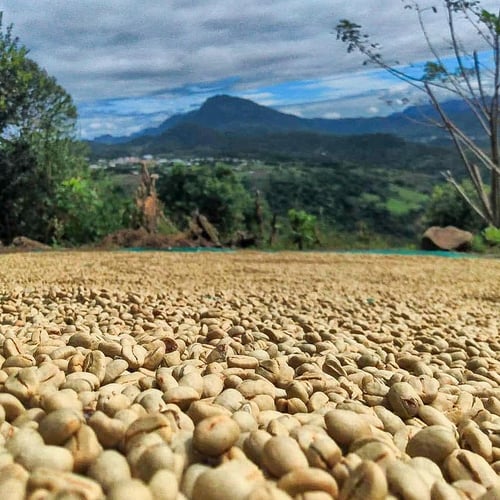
{"points": [[140, 238]]}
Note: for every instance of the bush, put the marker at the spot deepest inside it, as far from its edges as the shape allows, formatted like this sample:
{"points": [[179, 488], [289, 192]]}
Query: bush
{"points": [[478, 244], [492, 235], [87, 209], [303, 227], [448, 208], [216, 192]]}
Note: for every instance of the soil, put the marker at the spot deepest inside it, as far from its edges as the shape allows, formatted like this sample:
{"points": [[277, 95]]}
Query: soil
{"points": [[140, 238]]}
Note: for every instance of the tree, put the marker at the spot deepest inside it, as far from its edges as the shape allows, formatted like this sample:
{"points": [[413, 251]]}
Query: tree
{"points": [[467, 78], [31, 101], [87, 208], [37, 149], [216, 192], [303, 227], [448, 208], [14, 77]]}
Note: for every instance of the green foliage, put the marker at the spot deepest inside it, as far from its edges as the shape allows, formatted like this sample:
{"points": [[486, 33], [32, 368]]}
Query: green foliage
{"points": [[86, 209], [360, 240], [404, 201], [434, 71], [491, 20], [487, 240], [342, 195], [471, 81], [478, 244], [216, 192], [31, 169], [448, 208], [14, 76], [492, 235], [37, 151], [30, 100], [303, 227], [46, 189]]}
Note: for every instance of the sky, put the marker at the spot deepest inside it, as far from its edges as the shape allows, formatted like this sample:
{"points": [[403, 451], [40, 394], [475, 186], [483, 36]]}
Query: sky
{"points": [[130, 65]]}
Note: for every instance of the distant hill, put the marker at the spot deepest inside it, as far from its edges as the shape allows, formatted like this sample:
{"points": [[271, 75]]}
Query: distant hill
{"points": [[244, 117], [373, 172], [374, 150]]}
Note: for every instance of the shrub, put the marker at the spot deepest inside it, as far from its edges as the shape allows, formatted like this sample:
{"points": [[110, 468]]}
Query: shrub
{"points": [[448, 208], [87, 209], [303, 227], [492, 235], [216, 192]]}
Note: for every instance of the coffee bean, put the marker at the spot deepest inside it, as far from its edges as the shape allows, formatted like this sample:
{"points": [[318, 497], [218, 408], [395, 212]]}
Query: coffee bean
{"points": [[214, 435]]}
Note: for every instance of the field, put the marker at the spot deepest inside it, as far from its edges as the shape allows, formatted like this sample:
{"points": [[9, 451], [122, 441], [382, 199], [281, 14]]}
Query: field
{"points": [[249, 375]]}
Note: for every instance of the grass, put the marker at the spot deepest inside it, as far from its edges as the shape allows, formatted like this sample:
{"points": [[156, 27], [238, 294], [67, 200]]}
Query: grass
{"points": [[405, 201]]}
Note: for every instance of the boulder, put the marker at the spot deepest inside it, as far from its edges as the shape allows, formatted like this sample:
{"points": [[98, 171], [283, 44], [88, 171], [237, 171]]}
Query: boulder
{"points": [[23, 243], [201, 229], [446, 238]]}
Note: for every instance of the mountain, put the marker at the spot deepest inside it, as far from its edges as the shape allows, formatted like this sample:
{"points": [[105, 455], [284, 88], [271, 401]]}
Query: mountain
{"points": [[222, 112], [244, 117], [383, 151]]}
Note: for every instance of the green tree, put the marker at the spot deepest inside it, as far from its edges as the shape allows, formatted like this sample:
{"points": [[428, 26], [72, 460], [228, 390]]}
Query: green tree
{"points": [[14, 77], [447, 207], [216, 192], [303, 227], [87, 209], [37, 149], [469, 79]]}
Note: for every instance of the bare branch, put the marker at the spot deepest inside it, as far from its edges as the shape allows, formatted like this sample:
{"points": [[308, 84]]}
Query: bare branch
{"points": [[475, 21], [476, 84], [468, 94], [462, 70], [479, 79], [448, 176], [471, 169]]}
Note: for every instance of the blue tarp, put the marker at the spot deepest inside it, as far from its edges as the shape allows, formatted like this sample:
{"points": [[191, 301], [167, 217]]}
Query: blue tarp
{"points": [[413, 253], [405, 252]]}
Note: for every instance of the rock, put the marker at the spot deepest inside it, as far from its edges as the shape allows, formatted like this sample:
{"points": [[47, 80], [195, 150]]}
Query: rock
{"points": [[23, 243], [201, 229], [446, 238]]}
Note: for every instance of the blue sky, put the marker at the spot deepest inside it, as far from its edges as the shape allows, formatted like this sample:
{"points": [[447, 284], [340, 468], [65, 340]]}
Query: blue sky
{"points": [[130, 65]]}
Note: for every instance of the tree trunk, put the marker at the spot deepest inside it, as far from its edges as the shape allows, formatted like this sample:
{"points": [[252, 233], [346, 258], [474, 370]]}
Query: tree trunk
{"points": [[495, 158], [259, 216], [495, 198]]}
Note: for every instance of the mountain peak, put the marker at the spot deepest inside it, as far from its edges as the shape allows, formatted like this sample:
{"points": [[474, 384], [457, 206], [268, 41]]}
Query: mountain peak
{"points": [[225, 112], [228, 103], [227, 99], [221, 98]]}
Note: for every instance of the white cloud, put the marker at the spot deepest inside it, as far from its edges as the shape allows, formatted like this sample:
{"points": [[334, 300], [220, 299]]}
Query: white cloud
{"points": [[264, 98], [332, 115], [293, 110], [127, 49]]}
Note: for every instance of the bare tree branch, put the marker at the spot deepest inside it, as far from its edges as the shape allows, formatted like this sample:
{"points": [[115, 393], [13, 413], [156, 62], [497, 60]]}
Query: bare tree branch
{"points": [[478, 86]]}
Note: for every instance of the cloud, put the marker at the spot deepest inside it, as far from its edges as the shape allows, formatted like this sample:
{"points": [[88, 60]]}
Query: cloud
{"points": [[173, 49], [332, 115]]}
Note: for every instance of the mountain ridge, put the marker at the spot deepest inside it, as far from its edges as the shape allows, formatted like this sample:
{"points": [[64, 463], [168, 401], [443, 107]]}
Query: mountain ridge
{"points": [[237, 115]]}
